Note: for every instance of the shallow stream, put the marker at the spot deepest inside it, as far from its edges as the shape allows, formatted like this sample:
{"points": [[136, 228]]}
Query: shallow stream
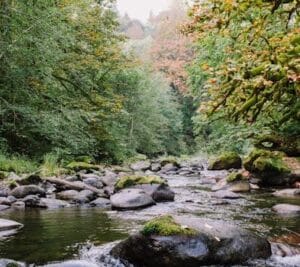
{"points": [[86, 233]]}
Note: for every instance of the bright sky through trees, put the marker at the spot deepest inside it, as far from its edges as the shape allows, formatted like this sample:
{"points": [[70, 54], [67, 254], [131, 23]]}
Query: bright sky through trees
{"points": [[140, 9]]}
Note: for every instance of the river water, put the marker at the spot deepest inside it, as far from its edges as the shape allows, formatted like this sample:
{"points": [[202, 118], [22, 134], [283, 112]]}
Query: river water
{"points": [[86, 234]]}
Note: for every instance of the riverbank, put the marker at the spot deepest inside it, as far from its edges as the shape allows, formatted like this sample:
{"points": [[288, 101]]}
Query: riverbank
{"points": [[193, 196]]}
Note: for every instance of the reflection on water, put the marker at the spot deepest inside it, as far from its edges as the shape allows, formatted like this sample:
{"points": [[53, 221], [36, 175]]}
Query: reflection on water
{"points": [[56, 235]]}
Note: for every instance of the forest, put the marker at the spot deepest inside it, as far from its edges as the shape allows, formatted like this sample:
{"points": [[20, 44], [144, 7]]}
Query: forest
{"points": [[95, 102]]}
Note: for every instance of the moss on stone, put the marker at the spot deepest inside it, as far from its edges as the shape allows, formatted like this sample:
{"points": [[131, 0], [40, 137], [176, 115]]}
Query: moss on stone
{"points": [[234, 176], [265, 162], [227, 160], [166, 226], [131, 180], [78, 166]]}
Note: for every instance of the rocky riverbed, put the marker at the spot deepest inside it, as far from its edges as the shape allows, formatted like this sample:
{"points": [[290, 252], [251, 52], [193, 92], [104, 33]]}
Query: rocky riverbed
{"points": [[77, 205]]}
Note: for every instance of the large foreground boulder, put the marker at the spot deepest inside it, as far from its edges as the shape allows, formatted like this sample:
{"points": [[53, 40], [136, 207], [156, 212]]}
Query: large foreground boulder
{"points": [[130, 199], [226, 161], [190, 242]]}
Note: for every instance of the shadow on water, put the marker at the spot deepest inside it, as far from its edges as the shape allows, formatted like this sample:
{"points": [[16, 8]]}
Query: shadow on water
{"points": [[56, 235]]}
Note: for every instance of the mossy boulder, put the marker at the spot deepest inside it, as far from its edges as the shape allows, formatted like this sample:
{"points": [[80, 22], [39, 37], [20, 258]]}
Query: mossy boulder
{"points": [[166, 226], [234, 176], [226, 161], [189, 241], [267, 165], [79, 166], [132, 180]]}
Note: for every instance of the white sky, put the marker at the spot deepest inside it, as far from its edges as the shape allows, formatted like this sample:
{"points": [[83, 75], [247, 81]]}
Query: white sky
{"points": [[140, 9]]}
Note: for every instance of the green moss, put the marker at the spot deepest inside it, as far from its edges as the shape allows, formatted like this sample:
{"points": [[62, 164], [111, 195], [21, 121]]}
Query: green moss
{"points": [[234, 176], [166, 226], [131, 180], [226, 160], [265, 162], [78, 166]]}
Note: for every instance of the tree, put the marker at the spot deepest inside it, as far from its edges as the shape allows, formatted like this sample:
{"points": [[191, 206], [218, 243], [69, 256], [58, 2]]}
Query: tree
{"points": [[259, 77]]}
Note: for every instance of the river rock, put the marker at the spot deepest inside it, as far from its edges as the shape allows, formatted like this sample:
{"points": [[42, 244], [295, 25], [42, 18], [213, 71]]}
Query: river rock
{"points": [[129, 199], [93, 181], [9, 225], [159, 192], [51, 203], [226, 194], [85, 196], [25, 190], [217, 242], [31, 201], [287, 209], [4, 192], [168, 168], [69, 195], [141, 165], [226, 161], [109, 179], [101, 203], [5, 201], [4, 207], [11, 263], [239, 187], [18, 205], [155, 167], [236, 187], [73, 263], [292, 192]]}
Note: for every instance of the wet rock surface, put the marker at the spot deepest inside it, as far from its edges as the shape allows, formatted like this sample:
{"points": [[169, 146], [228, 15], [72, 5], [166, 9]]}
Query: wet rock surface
{"points": [[127, 199], [215, 243]]}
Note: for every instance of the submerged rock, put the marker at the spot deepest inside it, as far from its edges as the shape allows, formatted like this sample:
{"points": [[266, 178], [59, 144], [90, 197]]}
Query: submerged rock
{"points": [[292, 192], [128, 199], [101, 203], [51, 203], [226, 161], [226, 194], [207, 243], [287, 209], [236, 187], [25, 190]]}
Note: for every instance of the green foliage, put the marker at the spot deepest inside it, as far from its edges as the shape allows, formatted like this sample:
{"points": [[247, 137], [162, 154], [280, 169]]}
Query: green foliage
{"points": [[51, 166], [16, 164], [246, 70], [234, 176], [78, 166], [66, 85], [127, 181], [166, 226]]}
